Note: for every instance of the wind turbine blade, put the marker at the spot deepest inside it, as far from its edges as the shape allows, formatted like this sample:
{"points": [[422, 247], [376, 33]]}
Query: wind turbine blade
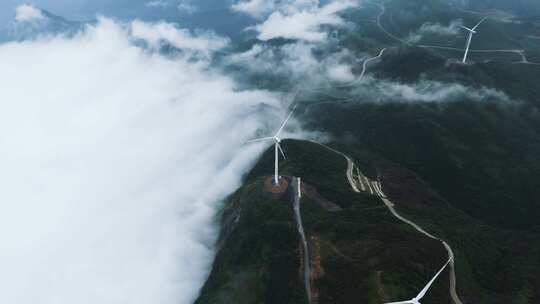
{"points": [[478, 24], [260, 139], [281, 150], [425, 290], [286, 120], [466, 28]]}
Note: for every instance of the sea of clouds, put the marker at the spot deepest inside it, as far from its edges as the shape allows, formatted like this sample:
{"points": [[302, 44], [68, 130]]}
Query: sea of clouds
{"points": [[115, 160]]}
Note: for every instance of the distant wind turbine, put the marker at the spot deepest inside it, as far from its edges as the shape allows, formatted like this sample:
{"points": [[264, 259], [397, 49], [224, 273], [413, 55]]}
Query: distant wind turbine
{"points": [[277, 145], [416, 300], [469, 39]]}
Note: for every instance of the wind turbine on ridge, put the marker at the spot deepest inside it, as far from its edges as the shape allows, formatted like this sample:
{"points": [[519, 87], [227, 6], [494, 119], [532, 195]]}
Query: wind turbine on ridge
{"points": [[277, 145], [469, 39], [416, 300]]}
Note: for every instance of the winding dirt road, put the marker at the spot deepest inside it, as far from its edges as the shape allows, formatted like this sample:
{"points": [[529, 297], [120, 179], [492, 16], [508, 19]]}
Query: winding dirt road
{"points": [[375, 188], [364, 70], [300, 226]]}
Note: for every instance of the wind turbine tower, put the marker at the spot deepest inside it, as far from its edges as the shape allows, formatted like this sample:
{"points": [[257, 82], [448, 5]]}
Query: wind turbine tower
{"points": [[416, 300], [277, 145], [469, 39]]}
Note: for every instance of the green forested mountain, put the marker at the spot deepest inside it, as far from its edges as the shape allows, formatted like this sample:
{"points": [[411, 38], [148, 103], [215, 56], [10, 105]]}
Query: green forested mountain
{"points": [[455, 146]]}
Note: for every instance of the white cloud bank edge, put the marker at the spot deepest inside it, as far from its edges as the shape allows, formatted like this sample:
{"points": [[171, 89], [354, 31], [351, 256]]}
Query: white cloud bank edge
{"points": [[115, 163]]}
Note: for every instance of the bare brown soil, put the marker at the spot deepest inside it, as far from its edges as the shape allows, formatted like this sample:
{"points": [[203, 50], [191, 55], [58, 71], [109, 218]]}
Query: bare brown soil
{"points": [[275, 189], [317, 271], [380, 286]]}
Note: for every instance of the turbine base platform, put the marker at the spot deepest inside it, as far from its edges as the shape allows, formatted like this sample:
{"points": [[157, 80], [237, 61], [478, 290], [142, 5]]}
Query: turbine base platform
{"points": [[270, 187], [458, 63]]}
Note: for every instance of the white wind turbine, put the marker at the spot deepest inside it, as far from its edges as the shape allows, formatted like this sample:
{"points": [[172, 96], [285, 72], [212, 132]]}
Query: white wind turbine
{"points": [[469, 39], [416, 300], [277, 145]]}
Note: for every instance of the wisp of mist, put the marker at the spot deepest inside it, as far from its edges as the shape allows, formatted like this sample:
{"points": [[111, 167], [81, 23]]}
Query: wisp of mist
{"points": [[114, 160]]}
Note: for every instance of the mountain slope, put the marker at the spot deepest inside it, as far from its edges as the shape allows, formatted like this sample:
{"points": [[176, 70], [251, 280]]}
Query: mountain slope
{"points": [[360, 253]]}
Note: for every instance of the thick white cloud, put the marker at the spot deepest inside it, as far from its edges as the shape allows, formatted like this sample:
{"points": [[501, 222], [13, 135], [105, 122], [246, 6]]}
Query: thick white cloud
{"points": [[264, 8], [430, 28], [114, 161], [294, 19], [255, 8], [341, 73], [424, 90], [186, 6], [306, 23], [157, 3], [160, 33], [303, 22], [28, 13], [298, 63]]}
